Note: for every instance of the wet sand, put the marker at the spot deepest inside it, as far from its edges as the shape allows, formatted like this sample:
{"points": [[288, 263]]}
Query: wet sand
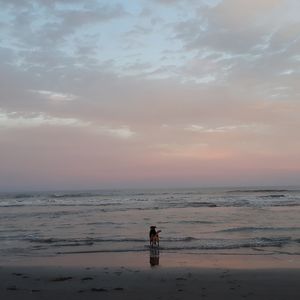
{"points": [[130, 276]]}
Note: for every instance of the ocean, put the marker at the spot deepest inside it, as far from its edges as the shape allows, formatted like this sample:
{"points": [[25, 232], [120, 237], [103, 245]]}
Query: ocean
{"points": [[224, 221]]}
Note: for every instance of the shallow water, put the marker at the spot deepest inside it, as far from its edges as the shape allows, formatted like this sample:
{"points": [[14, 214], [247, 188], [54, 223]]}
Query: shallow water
{"points": [[192, 221]]}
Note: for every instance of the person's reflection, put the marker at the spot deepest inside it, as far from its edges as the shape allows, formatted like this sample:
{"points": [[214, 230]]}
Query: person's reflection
{"points": [[154, 257]]}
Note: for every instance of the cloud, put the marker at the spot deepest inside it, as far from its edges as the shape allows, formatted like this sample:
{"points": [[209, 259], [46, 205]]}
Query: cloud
{"points": [[188, 2], [254, 39], [74, 18], [222, 129], [54, 96], [43, 32], [123, 132], [18, 120]]}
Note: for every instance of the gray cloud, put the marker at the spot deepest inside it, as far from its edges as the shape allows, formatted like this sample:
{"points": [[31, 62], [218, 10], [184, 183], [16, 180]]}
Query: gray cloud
{"points": [[222, 43], [40, 32], [248, 33], [205, 88]]}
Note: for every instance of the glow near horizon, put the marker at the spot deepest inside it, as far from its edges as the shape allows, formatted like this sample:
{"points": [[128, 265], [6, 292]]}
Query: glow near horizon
{"points": [[141, 94]]}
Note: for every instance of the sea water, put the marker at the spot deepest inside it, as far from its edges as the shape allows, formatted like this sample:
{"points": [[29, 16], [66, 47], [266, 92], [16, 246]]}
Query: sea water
{"points": [[192, 221]]}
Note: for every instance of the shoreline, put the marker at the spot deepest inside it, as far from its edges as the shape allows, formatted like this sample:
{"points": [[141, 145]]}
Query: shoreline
{"points": [[162, 259]]}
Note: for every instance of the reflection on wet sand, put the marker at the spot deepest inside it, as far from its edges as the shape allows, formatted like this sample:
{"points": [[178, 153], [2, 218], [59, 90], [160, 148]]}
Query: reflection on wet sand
{"points": [[154, 256]]}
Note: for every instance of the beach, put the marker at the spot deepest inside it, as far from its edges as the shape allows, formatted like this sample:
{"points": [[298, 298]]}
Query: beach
{"points": [[126, 276], [131, 276]]}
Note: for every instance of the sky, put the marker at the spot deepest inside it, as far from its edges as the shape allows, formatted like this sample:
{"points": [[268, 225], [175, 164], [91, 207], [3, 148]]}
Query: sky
{"points": [[138, 94]]}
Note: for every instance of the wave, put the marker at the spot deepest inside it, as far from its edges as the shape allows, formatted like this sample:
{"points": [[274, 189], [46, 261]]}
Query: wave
{"points": [[119, 207], [291, 204], [172, 193], [103, 240], [128, 244], [274, 196], [12, 205], [57, 242], [48, 203], [260, 191], [74, 195], [130, 202], [208, 245], [201, 204], [59, 195], [195, 222], [84, 240], [173, 240], [256, 243], [245, 229]]}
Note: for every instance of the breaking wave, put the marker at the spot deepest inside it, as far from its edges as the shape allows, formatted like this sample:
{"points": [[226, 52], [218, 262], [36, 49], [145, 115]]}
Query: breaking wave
{"points": [[171, 245], [247, 229]]}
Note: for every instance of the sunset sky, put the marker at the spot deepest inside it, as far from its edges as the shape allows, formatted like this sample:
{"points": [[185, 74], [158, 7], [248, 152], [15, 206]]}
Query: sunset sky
{"points": [[149, 93]]}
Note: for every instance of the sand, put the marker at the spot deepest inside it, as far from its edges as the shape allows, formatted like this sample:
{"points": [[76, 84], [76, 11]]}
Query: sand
{"points": [[130, 276]]}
